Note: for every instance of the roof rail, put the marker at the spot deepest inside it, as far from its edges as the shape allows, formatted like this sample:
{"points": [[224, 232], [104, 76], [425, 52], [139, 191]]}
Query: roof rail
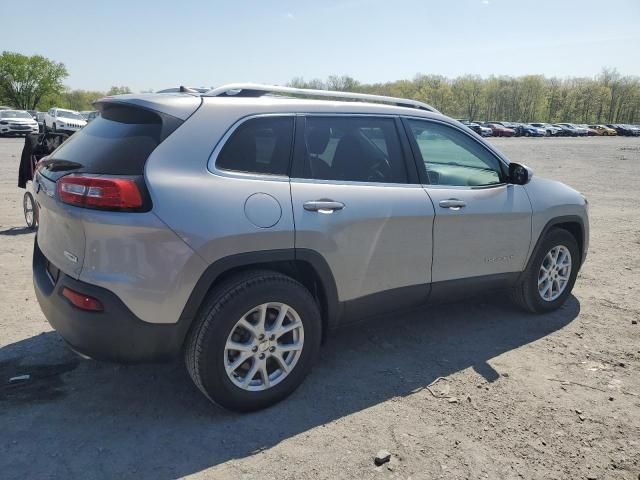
{"points": [[258, 90]]}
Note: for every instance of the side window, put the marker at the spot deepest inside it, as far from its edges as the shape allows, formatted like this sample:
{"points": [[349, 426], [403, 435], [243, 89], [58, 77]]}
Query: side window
{"points": [[452, 158], [259, 145], [356, 149]]}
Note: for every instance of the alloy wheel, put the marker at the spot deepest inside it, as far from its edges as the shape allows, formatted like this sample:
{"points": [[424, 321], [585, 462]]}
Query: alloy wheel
{"points": [[554, 273], [264, 346]]}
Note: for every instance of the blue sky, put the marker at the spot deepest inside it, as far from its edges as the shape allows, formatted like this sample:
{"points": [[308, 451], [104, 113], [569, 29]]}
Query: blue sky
{"points": [[159, 44]]}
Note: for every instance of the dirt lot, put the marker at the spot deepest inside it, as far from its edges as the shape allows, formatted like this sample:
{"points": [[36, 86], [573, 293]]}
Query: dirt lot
{"points": [[534, 397]]}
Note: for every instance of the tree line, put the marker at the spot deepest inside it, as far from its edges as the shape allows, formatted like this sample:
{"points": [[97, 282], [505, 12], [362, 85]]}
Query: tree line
{"points": [[36, 83], [606, 98]]}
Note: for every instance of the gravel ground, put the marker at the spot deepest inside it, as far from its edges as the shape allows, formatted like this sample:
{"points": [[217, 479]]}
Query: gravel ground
{"points": [[521, 396]]}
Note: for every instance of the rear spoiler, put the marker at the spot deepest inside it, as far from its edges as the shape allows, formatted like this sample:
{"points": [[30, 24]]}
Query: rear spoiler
{"points": [[180, 106]]}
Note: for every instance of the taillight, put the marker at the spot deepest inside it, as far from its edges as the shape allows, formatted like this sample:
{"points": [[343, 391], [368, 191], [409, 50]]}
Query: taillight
{"points": [[82, 301], [109, 193]]}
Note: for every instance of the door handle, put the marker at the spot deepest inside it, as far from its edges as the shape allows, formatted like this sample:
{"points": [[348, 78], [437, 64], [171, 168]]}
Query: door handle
{"points": [[452, 203], [323, 206]]}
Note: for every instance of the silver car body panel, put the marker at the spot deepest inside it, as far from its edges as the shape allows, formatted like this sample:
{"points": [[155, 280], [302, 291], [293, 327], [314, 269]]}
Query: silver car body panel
{"points": [[491, 234], [551, 200], [380, 240]]}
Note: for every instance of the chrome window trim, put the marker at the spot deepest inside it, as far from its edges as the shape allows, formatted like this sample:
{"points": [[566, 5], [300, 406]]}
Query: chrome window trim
{"points": [[213, 157]]}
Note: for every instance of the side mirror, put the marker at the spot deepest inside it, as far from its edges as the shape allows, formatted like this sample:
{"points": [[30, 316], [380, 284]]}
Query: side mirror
{"points": [[519, 174]]}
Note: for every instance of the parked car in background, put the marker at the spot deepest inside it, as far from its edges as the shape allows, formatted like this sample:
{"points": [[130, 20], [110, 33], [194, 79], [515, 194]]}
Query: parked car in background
{"points": [[17, 122], [566, 131], [476, 127], [92, 115], [499, 130], [570, 130], [62, 120], [590, 131], [129, 266], [603, 130], [32, 113], [574, 130], [550, 130], [622, 129], [85, 114], [528, 130]]}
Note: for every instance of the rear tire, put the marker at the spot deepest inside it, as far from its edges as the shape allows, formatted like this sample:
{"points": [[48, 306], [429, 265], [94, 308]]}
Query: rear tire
{"points": [[530, 293], [233, 317]]}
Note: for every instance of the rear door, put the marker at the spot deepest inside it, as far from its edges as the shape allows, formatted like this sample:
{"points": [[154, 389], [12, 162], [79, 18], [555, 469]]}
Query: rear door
{"points": [[356, 202], [482, 224]]}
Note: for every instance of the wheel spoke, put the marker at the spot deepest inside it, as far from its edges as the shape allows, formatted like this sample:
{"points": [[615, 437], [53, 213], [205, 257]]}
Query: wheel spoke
{"points": [[287, 328], [231, 367], [262, 318], [290, 347], [283, 364], [281, 316], [249, 327], [264, 374], [250, 374], [240, 347]]}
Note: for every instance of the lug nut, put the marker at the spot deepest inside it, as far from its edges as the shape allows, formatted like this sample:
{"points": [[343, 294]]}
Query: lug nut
{"points": [[254, 349], [272, 349], [272, 337], [262, 356]]}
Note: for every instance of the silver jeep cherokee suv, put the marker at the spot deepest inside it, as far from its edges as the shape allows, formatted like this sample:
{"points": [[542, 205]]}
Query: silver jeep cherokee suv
{"points": [[237, 227]]}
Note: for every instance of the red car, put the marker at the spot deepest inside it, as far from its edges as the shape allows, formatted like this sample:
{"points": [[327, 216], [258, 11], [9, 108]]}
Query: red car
{"points": [[500, 130]]}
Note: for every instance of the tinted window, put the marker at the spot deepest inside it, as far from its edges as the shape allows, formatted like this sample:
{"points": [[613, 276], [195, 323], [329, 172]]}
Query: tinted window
{"points": [[117, 142], [360, 149], [452, 158], [260, 145]]}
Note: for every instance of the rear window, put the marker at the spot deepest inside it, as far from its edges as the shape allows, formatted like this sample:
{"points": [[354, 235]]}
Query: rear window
{"points": [[118, 142]]}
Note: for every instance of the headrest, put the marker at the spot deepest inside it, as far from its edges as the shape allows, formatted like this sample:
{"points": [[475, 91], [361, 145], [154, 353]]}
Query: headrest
{"points": [[317, 139]]}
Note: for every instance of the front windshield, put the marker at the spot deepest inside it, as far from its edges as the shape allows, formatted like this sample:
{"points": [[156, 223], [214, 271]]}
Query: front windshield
{"points": [[69, 114], [14, 114]]}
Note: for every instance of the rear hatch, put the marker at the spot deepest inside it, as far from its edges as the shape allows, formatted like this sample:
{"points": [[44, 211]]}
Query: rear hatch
{"points": [[112, 148]]}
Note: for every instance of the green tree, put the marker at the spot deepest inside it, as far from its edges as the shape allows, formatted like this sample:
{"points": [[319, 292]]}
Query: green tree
{"points": [[24, 80], [118, 90]]}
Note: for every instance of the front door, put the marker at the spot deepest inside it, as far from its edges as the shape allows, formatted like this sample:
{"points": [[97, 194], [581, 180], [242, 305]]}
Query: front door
{"points": [[482, 224]]}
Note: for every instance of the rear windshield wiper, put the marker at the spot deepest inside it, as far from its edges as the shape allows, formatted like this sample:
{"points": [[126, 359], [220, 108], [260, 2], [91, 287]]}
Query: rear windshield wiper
{"points": [[60, 165]]}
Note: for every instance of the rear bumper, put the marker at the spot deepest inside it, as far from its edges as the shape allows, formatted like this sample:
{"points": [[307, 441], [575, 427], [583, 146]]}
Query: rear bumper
{"points": [[114, 334]]}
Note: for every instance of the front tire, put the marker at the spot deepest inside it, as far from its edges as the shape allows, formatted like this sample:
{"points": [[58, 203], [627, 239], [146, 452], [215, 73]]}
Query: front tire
{"points": [[254, 341], [550, 275]]}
